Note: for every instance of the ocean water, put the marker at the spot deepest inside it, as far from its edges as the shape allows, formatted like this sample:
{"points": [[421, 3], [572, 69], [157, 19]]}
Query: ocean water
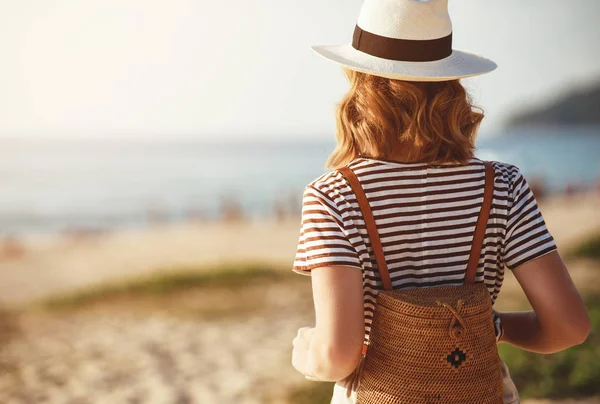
{"points": [[54, 185]]}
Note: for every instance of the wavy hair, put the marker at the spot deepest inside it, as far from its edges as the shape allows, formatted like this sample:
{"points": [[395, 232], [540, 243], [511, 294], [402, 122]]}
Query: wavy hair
{"points": [[379, 116]]}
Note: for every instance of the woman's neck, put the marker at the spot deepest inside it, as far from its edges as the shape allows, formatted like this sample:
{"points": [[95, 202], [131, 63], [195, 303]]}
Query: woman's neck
{"points": [[403, 155]]}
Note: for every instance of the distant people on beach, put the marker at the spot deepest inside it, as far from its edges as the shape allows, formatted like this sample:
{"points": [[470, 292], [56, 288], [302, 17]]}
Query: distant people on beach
{"points": [[230, 210], [283, 207], [571, 188], [83, 233], [157, 214], [196, 214], [279, 210], [295, 204], [538, 187], [575, 187], [287, 208], [11, 248]]}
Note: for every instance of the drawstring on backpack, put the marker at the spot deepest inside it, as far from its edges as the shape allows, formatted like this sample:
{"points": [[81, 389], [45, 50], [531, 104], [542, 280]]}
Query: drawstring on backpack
{"points": [[455, 332]]}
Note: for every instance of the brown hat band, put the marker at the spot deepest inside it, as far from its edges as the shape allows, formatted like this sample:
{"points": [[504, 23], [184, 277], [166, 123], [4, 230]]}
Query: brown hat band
{"points": [[406, 50]]}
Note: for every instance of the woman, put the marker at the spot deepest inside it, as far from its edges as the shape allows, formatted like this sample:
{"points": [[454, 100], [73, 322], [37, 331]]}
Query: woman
{"points": [[407, 129]]}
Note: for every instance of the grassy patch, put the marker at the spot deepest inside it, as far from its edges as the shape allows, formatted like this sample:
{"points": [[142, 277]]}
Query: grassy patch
{"points": [[587, 249], [311, 393], [9, 326], [167, 282], [9, 330], [571, 373]]}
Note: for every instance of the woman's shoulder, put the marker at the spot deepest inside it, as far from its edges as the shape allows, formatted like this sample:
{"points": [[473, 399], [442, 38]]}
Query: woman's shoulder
{"points": [[328, 185], [503, 167], [508, 172]]}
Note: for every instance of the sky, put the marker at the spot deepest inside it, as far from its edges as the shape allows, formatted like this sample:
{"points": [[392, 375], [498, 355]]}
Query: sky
{"points": [[244, 69]]}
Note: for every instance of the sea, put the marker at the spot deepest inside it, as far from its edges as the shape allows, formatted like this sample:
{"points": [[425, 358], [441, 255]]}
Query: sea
{"points": [[56, 185]]}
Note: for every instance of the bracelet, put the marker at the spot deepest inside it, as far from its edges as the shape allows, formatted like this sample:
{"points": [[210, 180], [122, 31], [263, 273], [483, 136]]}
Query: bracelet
{"points": [[499, 330]]}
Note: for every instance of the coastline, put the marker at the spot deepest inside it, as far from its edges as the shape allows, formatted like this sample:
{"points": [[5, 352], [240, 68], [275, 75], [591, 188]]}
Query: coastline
{"points": [[54, 264], [50, 264]]}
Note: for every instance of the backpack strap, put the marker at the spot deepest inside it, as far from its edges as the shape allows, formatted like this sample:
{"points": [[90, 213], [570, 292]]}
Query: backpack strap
{"points": [[363, 204], [478, 237], [482, 220]]}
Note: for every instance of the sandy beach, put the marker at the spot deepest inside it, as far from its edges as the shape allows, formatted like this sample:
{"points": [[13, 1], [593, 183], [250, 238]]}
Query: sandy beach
{"points": [[51, 264], [167, 349]]}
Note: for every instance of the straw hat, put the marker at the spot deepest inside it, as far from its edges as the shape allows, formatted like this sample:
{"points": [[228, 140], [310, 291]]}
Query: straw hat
{"points": [[406, 40]]}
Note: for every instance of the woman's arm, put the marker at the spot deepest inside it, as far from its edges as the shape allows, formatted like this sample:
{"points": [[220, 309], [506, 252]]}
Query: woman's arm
{"points": [[559, 319], [336, 344]]}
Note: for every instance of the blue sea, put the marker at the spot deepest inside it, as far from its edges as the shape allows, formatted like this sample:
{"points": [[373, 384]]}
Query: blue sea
{"points": [[54, 185]]}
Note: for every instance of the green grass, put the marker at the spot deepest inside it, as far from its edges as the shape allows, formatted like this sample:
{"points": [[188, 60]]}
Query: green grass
{"points": [[574, 372], [166, 282], [587, 249], [9, 330], [311, 393], [9, 326]]}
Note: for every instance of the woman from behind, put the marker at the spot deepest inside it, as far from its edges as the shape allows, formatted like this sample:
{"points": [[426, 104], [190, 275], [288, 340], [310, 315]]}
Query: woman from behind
{"points": [[407, 130]]}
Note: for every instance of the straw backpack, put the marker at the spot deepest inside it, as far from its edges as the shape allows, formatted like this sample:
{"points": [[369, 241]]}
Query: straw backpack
{"points": [[430, 344]]}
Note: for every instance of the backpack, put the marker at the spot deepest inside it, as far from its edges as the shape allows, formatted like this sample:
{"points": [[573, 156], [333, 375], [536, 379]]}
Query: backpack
{"points": [[429, 344]]}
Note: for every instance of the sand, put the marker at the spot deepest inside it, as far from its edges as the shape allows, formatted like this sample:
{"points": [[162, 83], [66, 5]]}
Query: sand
{"points": [[130, 355], [51, 265]]}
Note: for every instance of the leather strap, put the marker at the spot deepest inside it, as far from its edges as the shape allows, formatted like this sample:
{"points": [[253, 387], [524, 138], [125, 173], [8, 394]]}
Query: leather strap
{"points": [[478, 236], [482, 220], [363, 203]]}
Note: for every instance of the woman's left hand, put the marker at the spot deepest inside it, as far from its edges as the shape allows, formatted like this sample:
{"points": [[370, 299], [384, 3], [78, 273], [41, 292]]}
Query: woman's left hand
{"points": [[300, 352]]}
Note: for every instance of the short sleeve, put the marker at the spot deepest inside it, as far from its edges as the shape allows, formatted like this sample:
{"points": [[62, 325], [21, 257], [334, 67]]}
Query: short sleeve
{"points": [[527, 236], [323, 239]]}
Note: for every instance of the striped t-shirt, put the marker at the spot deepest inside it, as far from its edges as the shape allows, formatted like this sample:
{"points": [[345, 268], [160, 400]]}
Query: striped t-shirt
{"points": [[426, 217]]}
